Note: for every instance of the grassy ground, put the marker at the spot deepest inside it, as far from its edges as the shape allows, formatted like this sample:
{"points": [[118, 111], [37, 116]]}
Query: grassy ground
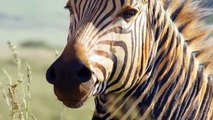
{"points": [[43, 103]]}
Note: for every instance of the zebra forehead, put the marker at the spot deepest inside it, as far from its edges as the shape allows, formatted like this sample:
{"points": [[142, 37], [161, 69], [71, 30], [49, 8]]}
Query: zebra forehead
{"points": [[123, 2], [135, 1]]}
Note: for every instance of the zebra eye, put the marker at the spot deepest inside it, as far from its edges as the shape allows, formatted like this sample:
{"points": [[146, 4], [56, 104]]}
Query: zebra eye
{"points": [[129, 13]]}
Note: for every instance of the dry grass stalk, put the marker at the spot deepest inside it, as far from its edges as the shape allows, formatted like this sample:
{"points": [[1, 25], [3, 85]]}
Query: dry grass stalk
{"points": [[26, 100], [18, 103], [16, 58], [11, 97], [29, 79]]}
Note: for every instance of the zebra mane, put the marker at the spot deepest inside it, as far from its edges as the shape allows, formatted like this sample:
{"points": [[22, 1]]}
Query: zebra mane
{"points": [[189, 16]]}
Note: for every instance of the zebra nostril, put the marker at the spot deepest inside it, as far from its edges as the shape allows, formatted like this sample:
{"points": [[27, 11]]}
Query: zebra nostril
{"points": [[51, 75], [84, 74]]}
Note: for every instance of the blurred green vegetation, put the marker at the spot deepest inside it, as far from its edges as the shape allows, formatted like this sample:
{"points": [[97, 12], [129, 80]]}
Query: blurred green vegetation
{"points": [[35, 43]]}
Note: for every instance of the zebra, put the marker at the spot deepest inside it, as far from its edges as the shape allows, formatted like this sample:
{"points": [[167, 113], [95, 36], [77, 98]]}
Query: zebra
{"points": [[141, 59]]}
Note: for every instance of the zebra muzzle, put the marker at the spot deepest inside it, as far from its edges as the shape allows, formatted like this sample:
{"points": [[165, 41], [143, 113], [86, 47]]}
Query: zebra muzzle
{"points": [[72, 80]]}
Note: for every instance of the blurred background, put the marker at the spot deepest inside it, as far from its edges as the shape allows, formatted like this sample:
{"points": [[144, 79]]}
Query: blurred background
{"points": [[37, 31]]}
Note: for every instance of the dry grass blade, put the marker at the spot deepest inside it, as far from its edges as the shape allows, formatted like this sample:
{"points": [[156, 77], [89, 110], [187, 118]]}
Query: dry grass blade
{"points": [[62, 114], [33, 117], [5, 97], [8, 76], [56, 53]]}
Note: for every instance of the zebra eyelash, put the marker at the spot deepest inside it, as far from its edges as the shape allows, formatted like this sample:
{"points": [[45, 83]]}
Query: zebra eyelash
{"points": [[68, 7]]}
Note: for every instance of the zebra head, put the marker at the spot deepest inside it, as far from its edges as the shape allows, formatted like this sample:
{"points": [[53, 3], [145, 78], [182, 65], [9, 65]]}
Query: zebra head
{"points": [[101, 50]]}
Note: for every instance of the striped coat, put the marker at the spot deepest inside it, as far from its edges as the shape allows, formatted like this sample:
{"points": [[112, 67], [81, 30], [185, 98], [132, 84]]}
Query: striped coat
{"points": [[141, 59]]}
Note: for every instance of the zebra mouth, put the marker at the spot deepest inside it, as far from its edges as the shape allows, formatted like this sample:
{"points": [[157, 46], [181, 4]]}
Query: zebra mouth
{"points": [[74, 96], [73, 103]]}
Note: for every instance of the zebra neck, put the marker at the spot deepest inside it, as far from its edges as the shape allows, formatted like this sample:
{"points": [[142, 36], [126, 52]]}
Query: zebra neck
{"points": [[173, 86]]}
